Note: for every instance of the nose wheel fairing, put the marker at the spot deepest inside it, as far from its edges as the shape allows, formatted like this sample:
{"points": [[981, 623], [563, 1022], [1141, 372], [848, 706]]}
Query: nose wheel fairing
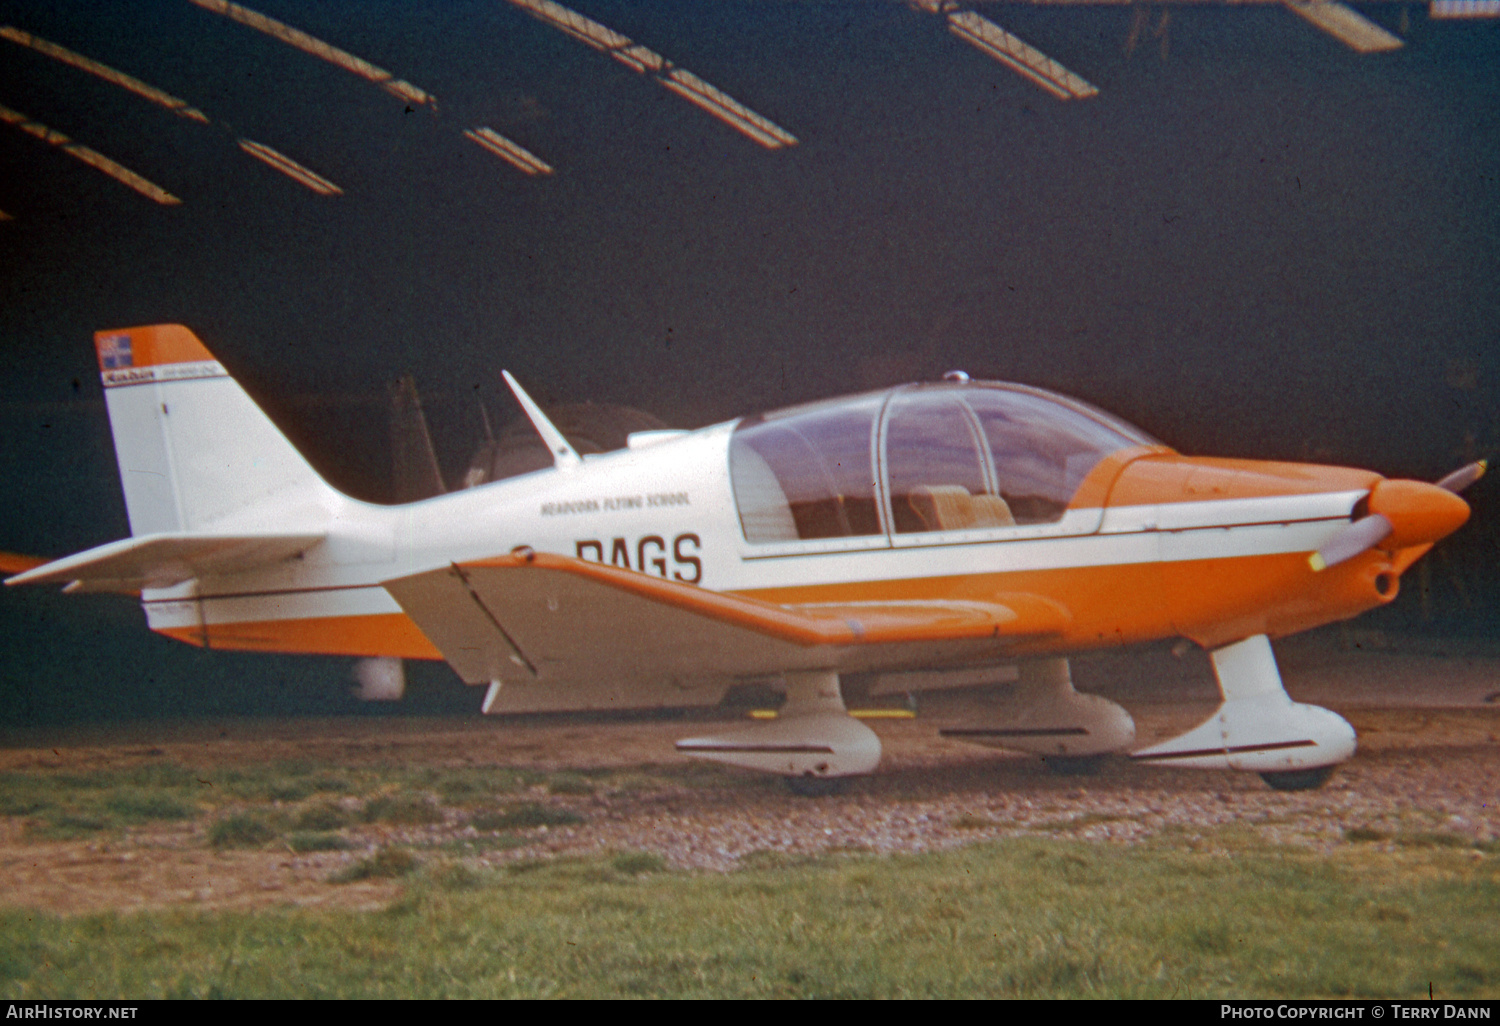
{"points": [[1258, 728]]}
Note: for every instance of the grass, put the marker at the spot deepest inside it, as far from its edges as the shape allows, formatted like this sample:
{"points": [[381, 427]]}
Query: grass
{"points": [[634, 863], [295, 796], [1434, 839], [385, 864], [301, 841], [1199, 912], [140, 806], [241, 830], [569, 783], [403, 808], [64, 806], [1421, 839], [159, 791], [1030, 917], [323, 816], [60, 825], [465, 846], [524, 817]]}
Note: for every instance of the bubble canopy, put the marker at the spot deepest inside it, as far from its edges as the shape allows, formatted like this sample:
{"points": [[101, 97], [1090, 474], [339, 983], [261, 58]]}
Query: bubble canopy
{"points": [[918, 458]]}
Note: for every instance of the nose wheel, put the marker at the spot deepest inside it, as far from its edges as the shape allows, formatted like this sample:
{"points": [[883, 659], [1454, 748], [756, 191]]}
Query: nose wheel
{"points": [[816, 787], [1298, 780]]}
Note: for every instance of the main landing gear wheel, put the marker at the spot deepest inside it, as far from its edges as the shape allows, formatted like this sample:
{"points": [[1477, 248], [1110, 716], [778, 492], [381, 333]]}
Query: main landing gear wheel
{"points": [[816, 787], [1298, 780], [1073, 765]]}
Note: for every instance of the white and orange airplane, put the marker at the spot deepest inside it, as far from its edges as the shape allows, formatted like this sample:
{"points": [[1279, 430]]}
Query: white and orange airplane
{"points": [[926, 536]]}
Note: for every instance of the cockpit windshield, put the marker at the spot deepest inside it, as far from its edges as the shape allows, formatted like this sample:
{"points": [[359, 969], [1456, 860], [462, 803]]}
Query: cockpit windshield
{"points": [[918, 458]]}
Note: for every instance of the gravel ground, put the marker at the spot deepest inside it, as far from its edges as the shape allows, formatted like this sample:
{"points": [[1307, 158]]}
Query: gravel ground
{"points": [[924, 800], [1432, 772]]}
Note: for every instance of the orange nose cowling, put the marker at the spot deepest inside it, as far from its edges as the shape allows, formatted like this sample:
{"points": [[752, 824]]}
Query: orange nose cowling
{"points": [[1419, 512]]}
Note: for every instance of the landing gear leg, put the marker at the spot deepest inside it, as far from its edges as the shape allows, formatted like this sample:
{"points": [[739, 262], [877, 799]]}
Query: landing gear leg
{"points": [[813, 742], [1258, 727], [1072, 732]]}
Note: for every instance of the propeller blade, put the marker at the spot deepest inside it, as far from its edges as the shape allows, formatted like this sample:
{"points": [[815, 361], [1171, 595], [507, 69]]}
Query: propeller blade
{"points": [[1464, 476], [1365, 533]]}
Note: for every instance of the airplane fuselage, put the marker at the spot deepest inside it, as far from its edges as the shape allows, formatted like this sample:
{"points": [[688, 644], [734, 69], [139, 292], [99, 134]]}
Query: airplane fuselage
{"points": [[1159, 546]]}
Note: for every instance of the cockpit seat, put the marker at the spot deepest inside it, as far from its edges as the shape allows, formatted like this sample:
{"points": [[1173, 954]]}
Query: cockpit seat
{"points": [[992, 511], [952, 508]]}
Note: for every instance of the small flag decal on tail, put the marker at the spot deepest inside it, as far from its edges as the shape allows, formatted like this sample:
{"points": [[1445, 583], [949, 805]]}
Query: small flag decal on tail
{"points": [[159, 352], [114, 352]]}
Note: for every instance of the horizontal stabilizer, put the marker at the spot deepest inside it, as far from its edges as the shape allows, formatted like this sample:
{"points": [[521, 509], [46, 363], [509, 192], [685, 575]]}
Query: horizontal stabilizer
{"points": [[555, 622], [162, 560], [1346, 25]]}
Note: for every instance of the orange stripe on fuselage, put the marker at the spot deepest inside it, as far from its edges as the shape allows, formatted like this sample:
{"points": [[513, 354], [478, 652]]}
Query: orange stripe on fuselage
{"points": [[1211, 601], [379, 634], [1218, 601], [1109, 604]]}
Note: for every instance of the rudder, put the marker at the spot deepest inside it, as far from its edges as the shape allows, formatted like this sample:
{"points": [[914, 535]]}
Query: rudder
{"points": [[194, 450]]}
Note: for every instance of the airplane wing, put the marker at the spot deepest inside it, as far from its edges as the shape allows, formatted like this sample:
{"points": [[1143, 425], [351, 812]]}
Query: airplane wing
{"points": [[559, 628], [162, 560]]}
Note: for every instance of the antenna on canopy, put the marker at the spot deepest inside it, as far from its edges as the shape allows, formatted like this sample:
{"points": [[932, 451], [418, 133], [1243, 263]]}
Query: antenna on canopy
{"points": [[564, 456], [484, 415]]}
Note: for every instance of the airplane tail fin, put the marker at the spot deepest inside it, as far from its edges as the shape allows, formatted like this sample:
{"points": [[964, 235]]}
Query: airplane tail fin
{"points": [[194, 450]]}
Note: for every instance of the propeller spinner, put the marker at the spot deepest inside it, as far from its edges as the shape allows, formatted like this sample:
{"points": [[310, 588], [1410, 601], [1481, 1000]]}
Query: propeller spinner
{"points": [[1413, 512]]}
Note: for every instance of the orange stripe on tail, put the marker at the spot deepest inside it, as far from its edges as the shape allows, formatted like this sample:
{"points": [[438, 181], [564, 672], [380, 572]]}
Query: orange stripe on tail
{"points": [[151, 346]]}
